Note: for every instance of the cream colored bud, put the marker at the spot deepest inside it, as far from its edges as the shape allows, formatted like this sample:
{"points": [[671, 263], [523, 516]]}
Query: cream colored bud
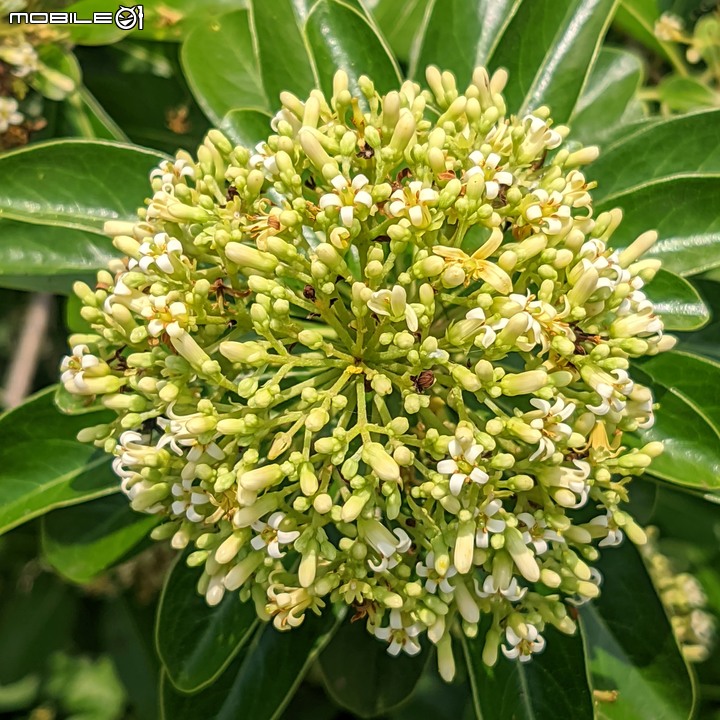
{"points": [[261, 477], [375, 455]]}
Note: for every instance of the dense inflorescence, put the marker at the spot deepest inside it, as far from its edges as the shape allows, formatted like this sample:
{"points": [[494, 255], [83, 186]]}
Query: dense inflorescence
{"points": [[27, 54], [381, 360]]}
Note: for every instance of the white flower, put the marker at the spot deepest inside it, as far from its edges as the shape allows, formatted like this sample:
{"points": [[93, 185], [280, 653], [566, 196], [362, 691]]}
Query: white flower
{"points": [[385, 543], [270, 536], [608, 388], [488, 167], [523, 647], [347, 197], [164, 316], [462, 466], [401, 636], [513, 592], [170, 171], [540, 136], [548, 214], [537, 533], [550, 423], [158, 251], [614, 533], [9, 114], [487, 523], [413, 202], [22, 57], [435, 579], [265, 157], [393, 304]]}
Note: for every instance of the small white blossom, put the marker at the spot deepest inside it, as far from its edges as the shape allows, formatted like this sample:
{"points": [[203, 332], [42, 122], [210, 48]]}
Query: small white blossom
{"points": [[462, 465], [525, 647]]}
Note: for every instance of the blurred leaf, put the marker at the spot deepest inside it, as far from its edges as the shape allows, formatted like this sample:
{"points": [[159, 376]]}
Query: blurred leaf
{"points": [[246, 127], [400, 23], [458, 35], [612, 85], [630, 645], [36, 619], [83, 115], [163, 114], [221, 67], [683, 211], [678, 302], [81, 542], [43, 466], [342, 37], [127, 634], [553, 685], [197, 642], [684, 94], [85, 688], [59, 73], [75, 183], [93, 34], [262, 680], [678, 147], [31, 253], [361, 676], [549, 49], [692, 442], [637, 18]]}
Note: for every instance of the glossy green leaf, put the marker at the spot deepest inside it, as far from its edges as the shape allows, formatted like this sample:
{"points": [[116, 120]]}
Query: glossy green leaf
{"points": [[81, 542], [692, 441], [604, 103], [261, 681], [553, 685], [549, 49], [220, 65], [36, 252], [684, 212], [96, 33], [75, 183], [246, 127], [684, 94], [361, 676], [43, 466], [197, 642], [682, 146], [292, 69], [705, 341], [697, 378], [400, 23], [630, 645], [459, 35], [342, 37], [678, 302]]}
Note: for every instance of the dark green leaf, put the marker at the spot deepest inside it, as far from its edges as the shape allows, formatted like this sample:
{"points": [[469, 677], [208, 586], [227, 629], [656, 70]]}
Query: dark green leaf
{"points": [[684, 94], [43, 467], [221, 67], [678, 302], [459, 35], [36, 619], [705, 341], [84, 116], [246, 127], [682, 146], [342, 37], [606, 100], [684, 213], [549, 49], [75, 183], [261, 681], [630, 645], [81, 542], [553, 685], [197, 642], [362, 677], [292, 69], [36, 252], [692, 442]]}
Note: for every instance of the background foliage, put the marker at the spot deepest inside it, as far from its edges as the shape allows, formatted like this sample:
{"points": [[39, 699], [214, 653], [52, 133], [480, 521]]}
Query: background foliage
{"points": [[94, 623]]}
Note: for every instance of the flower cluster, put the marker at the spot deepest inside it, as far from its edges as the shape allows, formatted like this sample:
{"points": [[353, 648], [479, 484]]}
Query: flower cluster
{"points": [[26, 74], [684, 600], [380, 360]]}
